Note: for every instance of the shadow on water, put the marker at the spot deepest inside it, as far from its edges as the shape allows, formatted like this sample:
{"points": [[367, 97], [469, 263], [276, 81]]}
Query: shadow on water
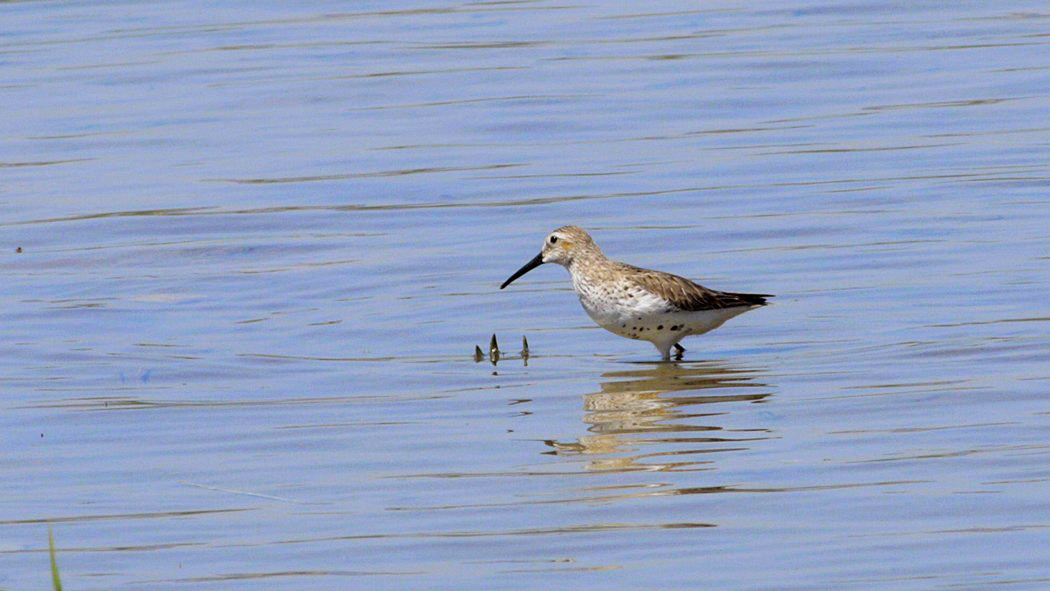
{"points": [[668, 410], [680, 421]]}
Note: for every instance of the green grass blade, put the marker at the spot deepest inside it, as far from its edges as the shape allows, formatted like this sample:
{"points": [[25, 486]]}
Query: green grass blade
{"points": [[56, 581]]}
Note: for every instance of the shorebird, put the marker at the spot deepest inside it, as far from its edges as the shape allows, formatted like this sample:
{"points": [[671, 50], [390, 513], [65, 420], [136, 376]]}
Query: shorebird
{"points": [[638, 303]]}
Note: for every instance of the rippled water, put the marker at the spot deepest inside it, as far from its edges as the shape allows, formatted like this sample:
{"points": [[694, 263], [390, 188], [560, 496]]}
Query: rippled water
{"points": [[247, 252]]}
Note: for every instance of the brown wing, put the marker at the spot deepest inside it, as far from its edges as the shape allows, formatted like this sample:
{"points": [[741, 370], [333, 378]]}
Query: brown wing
{"points": [[687, 296]]}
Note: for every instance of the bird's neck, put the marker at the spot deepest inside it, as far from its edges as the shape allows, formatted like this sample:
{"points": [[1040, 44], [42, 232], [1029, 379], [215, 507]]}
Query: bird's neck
{"points": [[587, 264]]}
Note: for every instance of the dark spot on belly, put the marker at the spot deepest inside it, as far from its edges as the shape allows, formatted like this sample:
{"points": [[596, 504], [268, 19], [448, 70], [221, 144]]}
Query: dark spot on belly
{"points": [[675, 327], [661, 327]]}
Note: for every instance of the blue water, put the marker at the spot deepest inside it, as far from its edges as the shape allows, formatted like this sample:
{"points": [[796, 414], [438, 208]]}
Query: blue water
{"points": [[260, 242]]}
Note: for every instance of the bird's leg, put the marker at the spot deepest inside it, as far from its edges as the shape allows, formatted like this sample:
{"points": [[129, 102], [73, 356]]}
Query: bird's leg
{"points": [[665, 351], [678, 350]]}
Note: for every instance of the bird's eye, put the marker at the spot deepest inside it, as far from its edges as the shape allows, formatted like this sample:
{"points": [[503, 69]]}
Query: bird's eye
{"points": [[554, 239]]}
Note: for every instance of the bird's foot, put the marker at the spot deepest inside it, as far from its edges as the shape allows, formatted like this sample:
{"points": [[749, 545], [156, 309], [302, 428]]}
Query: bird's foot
{"points": [[678, 350]]}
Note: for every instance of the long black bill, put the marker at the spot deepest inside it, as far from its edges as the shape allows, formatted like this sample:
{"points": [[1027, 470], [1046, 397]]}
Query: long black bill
{"points": [[536, 262]]}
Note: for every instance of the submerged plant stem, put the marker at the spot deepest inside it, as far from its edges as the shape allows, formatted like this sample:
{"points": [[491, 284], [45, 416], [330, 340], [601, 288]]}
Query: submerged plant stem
{"points": [[56, 581]]}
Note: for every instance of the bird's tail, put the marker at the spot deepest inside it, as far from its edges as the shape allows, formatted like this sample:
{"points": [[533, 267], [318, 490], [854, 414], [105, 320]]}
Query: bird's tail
{"points": [[753, 299]]}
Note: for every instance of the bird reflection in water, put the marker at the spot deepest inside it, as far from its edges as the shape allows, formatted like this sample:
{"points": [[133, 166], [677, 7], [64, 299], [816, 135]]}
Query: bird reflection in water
{"points": [[668, 412]]}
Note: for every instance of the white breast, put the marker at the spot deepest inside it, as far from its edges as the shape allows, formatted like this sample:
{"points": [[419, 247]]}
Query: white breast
{"points": [[620, 307]]}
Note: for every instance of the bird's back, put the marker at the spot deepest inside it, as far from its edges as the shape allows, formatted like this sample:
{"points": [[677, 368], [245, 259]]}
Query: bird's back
{"points": [[685, 295]]}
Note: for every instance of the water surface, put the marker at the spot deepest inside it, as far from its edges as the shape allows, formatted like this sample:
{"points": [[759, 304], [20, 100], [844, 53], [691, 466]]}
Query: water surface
{"points": [[259, 243]]}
